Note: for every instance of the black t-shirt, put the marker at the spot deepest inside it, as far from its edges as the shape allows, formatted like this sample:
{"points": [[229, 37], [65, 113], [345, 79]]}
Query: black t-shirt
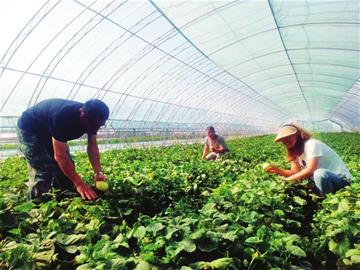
{"points": [[58, 118]]}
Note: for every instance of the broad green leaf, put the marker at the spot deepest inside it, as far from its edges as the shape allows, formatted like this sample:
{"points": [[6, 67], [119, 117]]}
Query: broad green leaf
{"points": [[209, 208], [232, 236], [355, 230], [170, 232], [301, 192], [201, 265], [339, 248], [352, 252], [119, 238], [294, 223], [279, 212], [94, 224], [70, 239], [15, 231], [297, 251], [333, 200], [43, 258], [332, 245], [344, 206], [185, 268], [355, 259], [347, 261], [299, 200], [118, 263], [235, 190], [198, 234], [140, 232], [128, 212], [260, 233], [24, 207], [86, 266], [81, 258], [222, 263], [253, 240], [143, 265], [72, 249], [155, 227], [208, 243], [187, 245], [45, 254]]}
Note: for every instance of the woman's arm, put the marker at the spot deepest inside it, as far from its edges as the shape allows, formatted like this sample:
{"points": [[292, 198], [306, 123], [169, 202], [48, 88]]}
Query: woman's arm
{"points": [[307, 172], [295, 168]]}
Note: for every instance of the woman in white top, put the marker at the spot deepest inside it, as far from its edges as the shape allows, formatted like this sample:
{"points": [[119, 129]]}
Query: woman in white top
{"points": [[311, 158]]}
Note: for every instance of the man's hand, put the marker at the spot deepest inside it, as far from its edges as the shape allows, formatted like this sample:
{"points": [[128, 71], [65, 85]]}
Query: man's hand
{"points": [[86, 192], [219, 150], [99, 176]]}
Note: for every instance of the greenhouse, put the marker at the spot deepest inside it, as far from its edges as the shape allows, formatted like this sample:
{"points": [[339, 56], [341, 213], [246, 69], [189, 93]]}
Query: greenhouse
{"points": [[180, 134]]}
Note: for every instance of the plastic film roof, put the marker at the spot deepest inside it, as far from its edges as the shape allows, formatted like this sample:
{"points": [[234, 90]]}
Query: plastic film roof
{"points": [[253, 63]]}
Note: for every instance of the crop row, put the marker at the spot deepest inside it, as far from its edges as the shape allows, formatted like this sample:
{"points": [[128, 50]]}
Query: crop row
{"points": [[168, 209]]}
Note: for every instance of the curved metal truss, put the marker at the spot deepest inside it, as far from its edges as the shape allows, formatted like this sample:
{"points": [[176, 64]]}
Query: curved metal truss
{"points": [[168, 65]]}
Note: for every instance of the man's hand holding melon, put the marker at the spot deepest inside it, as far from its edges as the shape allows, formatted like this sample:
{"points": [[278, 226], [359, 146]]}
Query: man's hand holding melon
{"points": [[100, 182]]}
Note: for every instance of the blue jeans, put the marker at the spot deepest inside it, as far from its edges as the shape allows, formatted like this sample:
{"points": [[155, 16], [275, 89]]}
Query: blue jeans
{"points": [[44, 172], [328, 182]]}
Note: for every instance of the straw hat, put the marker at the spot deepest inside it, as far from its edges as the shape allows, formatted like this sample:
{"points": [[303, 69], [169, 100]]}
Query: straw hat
{"points": [[285, 131]]}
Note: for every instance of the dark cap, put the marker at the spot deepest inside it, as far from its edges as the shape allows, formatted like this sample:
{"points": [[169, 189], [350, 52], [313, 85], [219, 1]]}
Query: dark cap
{"points": [[95, 108]]}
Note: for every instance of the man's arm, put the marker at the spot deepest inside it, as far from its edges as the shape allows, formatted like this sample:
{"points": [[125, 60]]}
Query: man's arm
{"points": [[68, 168], [308, 171], [93, 153], [219, 150], [221, 143], [295, 168], [205, 152], [94, 157]]}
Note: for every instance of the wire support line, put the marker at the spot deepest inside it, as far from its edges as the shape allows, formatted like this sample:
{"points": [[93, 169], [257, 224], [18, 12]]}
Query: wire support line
{"points": [[306, 74], [343, 104], [131, 95], [356, 25], [107, 52], [166, 36], [207, 57], [316, 83], [290, 50], [288, 56], [158, 48], [21, 37], [43, 49], [71, 43], [48, 67], [312, 64]]}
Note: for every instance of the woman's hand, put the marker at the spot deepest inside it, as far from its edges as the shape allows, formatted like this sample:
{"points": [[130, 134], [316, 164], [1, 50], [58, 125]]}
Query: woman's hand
{"points": [[272, 169]]}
